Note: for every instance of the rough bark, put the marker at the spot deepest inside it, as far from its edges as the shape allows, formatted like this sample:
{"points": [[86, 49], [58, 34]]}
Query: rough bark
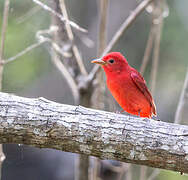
{"points": [[46, 124]]}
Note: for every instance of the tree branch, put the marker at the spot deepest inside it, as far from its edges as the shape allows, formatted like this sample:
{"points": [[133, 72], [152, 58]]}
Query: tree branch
{"points": [[182, 100], [47, 8], [148, 50], [71, 38], [46, 124], [131, 18], [2, 45]]}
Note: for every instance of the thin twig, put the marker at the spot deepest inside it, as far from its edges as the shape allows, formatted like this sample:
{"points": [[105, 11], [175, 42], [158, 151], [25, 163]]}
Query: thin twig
{"points": [[86, 40], [102, 27], [41, 36], [117, 169], [27, 15], [81, 161], [4, 28], [182, 100], [26, 50], [156, 53], [132, 17], [47, 8], [94, 169], [154, 174], [71, 37], [63, 70], [3, 35], [41, 39], [148, 50], [129, 173], [59, 50], [2, 45], [143, 171], [125, 167], [98, 95]]}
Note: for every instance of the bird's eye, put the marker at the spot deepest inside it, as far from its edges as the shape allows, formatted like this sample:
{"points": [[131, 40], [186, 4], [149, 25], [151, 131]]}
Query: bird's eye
{"points": [[111, 61]]}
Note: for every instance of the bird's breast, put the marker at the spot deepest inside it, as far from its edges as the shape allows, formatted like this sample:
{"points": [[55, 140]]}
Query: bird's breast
{"points": [[126, 93], [121, 88]]}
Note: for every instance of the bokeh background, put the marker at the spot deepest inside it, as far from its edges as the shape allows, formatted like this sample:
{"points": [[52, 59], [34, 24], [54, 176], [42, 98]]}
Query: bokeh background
{"points": [[33, 75]]}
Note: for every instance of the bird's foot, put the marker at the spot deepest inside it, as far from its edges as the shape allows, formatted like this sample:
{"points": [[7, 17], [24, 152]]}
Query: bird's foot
{"points": [[155, 118]]}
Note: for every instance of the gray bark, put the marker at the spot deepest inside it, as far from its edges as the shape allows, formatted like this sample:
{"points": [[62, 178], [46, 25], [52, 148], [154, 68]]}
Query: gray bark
{"points": [[46, 124]]}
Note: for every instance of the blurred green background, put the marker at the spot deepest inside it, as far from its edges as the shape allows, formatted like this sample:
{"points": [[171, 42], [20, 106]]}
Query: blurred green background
{"points": [[34, 75]]}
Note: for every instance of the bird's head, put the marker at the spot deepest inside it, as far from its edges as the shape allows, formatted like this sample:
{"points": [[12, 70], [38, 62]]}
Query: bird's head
{"points": [[113, 62]]}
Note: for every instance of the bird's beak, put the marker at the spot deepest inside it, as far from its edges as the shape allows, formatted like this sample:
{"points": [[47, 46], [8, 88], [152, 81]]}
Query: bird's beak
{"points": [[99, 61]]}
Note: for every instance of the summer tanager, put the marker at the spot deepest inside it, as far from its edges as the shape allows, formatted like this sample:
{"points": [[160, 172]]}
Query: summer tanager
{"points": [[127, 85]]}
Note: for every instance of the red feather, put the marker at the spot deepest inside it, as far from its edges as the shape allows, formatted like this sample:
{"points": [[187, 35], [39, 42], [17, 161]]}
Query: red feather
{"points": [[141, 84], [127, 85]]}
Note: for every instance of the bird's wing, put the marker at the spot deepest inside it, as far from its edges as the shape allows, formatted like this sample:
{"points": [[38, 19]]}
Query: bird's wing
{"points": [[141, 84]]}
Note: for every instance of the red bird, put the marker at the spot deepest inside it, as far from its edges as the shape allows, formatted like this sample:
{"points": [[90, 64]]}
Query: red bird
{"points": [[127, 85]]}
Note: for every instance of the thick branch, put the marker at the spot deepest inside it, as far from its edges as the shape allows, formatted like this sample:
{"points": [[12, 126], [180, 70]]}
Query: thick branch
{"points": [[46, 124]]}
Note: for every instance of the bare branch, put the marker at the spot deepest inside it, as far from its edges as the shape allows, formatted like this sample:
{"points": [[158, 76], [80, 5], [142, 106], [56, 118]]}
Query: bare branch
{"points": [[82, 161], [155, 35], [132, 17], [27, 15], [143, 171], [129, 173], [2, 44], [99, 88], [42, 39], [71, 37], [63, 70], [26, 50], [154, 174], [4, 27], [86, 40], [3, 35], [181, 103], [158, 23], [45, 124], [125, 167], [102, 27], [155, 58], [148, 50], [98, 98], [47, 8]]}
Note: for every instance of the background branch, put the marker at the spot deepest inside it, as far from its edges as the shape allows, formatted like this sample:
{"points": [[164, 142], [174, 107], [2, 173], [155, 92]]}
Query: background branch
{"points": [[153, 42], [3, 35], [71, 37], [98, 97], [63, 70], [47, 8], [182, 100], [64, 38], [156, 51], [148, 50], [2, 45], [26, 50], [154, 174], [132, 17]]}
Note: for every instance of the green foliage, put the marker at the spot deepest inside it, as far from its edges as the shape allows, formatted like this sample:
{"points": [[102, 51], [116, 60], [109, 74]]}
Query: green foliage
{"points": [[25, 69], [170, 175]]}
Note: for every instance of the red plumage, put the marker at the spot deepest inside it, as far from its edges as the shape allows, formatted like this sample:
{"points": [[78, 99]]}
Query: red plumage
{"points": [[127, 85]]}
